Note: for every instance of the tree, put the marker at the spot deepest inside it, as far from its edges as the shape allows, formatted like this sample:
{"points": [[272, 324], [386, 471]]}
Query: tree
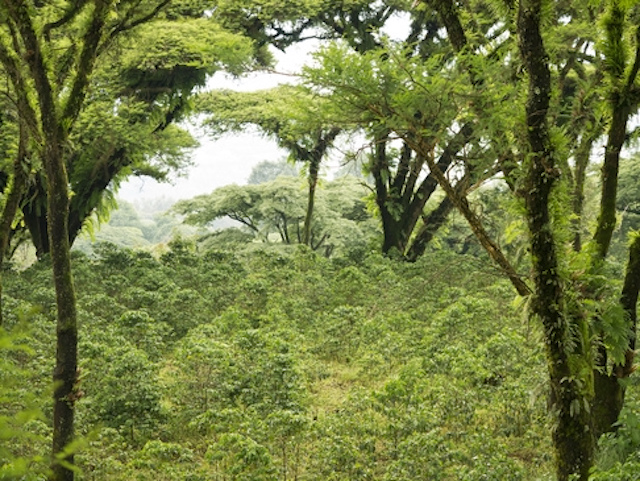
{"points": [[402, 187], [51, 127], [286, 113], [267, 171], [371, 93], [577, 378]]}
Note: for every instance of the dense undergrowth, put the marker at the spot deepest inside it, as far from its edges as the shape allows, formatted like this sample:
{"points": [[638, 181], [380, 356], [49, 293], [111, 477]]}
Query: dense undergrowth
{"points": [[283, 365]]}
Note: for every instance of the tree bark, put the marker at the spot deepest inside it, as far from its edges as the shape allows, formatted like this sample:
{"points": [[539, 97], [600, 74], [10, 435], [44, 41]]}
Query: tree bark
{"points": [[314, 169], [629, 301], [572, 435], [400, 206], [432, 224]]}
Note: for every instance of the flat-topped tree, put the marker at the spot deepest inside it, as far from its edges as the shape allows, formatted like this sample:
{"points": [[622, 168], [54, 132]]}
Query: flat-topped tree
{"points": [[287, 113], [274, 211]]}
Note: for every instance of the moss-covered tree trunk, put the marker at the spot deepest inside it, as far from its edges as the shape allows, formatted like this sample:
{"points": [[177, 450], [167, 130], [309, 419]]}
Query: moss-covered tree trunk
{"points": [[51, 128], [314, 170], [572, 433], [65, 372], [623, 100]]}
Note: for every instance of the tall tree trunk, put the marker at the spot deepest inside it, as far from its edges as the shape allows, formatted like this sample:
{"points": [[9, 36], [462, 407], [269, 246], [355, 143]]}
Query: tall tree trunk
{"points": [[621, 104], [54, 128], [314, 170], [582, 154], [572, 434], [314, 157], [65, 372], [66, 369]]}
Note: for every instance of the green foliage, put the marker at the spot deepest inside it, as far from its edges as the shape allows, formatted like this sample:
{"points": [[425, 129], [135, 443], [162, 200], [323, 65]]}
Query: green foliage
{"points": [[268, 362], [619, 456], [254, 364], [242, 458], [22, 428], [289, 113], [129, 394], [614, 46], [385, 88], [179, 54]]}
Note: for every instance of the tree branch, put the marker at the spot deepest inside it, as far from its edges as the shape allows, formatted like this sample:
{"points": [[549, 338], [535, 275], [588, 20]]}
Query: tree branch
{"points": [[88, 55], [66, 18], [462, 204], [128, 24]]}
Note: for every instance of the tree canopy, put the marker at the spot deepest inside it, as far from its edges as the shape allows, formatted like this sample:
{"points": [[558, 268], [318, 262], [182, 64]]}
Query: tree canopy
{"points": [[276, 210]]}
